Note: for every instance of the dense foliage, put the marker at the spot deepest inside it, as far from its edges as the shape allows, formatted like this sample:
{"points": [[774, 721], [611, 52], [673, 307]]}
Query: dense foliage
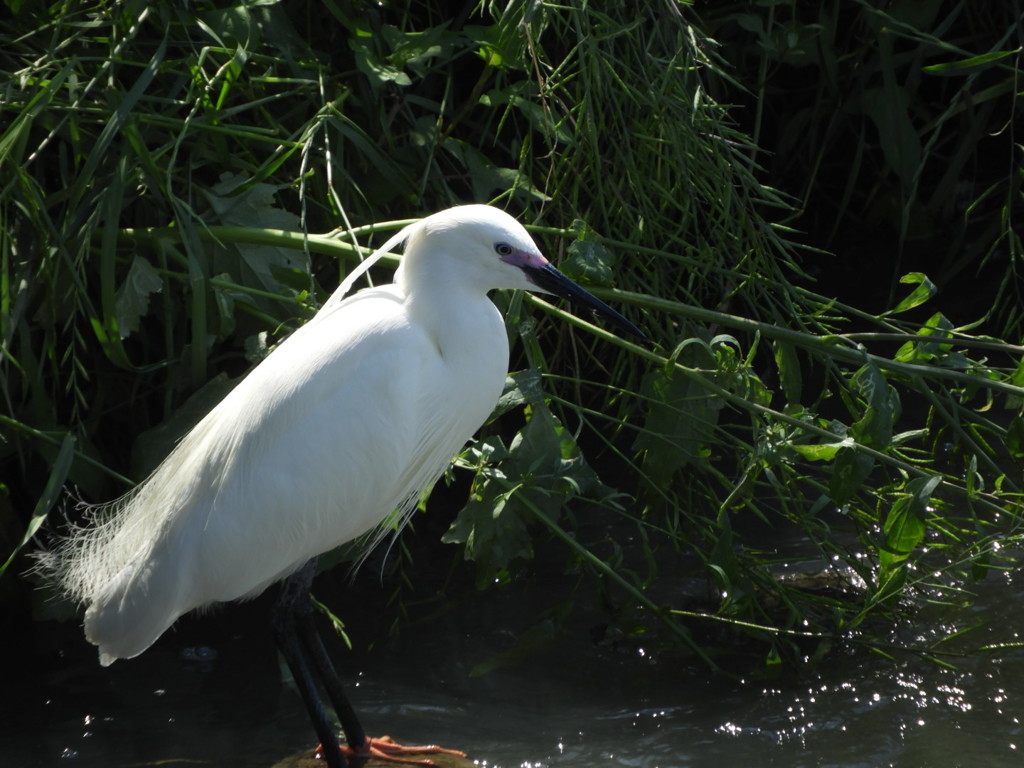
{"points": [[182, 183]]}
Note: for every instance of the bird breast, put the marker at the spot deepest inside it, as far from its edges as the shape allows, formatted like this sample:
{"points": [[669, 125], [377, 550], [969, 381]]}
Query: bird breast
{"points": [[348, 420]]}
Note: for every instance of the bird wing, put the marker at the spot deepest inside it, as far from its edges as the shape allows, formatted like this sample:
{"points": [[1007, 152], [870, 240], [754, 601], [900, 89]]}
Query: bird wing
{"points": [[315, 447]]}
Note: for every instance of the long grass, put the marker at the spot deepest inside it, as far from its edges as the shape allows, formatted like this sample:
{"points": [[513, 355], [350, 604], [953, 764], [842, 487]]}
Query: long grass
{"points": [[182, 186]]}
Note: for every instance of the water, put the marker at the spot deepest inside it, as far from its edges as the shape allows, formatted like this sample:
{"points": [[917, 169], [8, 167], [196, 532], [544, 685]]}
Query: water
{"points": [[210, 693]]}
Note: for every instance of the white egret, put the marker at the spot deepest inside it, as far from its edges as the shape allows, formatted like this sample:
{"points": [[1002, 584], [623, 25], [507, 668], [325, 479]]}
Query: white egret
{"points": [[330, 439]]}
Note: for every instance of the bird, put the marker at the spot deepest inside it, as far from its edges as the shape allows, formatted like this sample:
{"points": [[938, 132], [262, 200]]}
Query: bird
{"points": [[331, 439]]}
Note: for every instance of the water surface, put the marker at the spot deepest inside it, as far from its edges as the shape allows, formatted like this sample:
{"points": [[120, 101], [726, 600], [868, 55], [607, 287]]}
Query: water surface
{"points": [[211, 693]]}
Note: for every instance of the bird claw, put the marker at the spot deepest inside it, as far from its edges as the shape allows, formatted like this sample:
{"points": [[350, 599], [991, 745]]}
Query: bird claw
{"points": [[388, 750]]}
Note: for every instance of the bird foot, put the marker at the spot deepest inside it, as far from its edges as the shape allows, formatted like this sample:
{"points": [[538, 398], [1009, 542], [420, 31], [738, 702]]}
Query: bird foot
{"points": [[388, 750]]}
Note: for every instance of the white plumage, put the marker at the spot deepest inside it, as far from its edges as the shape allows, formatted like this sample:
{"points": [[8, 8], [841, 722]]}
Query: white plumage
{"points": [[337, 430]]}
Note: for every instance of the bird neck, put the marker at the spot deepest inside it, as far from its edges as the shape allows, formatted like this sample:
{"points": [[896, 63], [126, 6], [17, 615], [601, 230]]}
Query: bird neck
{"points": [[457, 314]]}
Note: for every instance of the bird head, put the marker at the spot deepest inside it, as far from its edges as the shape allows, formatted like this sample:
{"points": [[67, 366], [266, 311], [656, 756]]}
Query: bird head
{"points": [[484, 248], [490, 249]]}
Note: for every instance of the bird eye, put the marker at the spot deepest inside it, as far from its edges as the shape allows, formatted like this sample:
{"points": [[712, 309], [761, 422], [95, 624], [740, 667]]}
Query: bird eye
{"points": [[503, 249]]}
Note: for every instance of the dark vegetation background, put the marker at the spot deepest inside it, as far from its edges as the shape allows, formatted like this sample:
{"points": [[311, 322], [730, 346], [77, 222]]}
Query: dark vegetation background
{"points": [[811, 207]]}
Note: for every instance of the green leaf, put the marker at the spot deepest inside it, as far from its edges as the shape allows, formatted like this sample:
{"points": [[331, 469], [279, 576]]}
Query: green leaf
{"points": [[850, 470], [232, 27], [924, 291], [521, 388], [589, 262], [131, 302], [235, 201], [937, 325], [821, 451], [337, 623], [905, 525], [890, 584], [487, 178], [542, 469], [492, 532], [1015, 437], [788, 363], [540, 117], [414, 49], [376, 70], [681, 418], [875, 426], [903, 530], [502, 46], [956, 67]]}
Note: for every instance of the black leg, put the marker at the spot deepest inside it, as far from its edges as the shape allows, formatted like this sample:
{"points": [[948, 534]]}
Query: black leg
{"points": [[307, 658], [314, 646], [300, 644]]}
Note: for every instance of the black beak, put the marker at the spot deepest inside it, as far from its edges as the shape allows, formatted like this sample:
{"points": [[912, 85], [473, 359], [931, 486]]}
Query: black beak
{"points": [[549, 279]]}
